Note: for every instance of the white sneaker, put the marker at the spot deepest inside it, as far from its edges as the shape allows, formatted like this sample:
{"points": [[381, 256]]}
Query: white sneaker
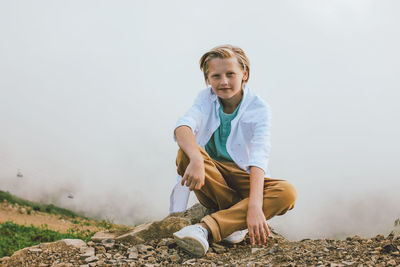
{"points": [[236, 237], [193, 239]]}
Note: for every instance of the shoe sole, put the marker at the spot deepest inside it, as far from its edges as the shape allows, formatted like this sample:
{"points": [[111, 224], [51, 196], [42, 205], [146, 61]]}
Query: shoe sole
{"points": [[229, 241], [191, 245]]}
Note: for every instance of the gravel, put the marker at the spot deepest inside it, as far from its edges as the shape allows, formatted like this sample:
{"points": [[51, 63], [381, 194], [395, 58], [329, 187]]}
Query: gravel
{"points": [[353, 251]]}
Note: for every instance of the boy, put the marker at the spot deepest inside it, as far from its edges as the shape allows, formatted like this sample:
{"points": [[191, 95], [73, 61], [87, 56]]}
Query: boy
{"points": [[223, 155]]}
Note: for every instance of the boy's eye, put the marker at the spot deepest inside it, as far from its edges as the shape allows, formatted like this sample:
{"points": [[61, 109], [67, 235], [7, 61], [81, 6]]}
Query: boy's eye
{"points": [[230, 74], [215, 76]]}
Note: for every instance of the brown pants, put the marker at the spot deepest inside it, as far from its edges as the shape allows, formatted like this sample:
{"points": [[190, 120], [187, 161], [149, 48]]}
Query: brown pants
{"points": [[227, 188]]}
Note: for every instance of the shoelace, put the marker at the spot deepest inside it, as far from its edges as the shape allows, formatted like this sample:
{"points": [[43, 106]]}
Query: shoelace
{"points": [[201, 230]]}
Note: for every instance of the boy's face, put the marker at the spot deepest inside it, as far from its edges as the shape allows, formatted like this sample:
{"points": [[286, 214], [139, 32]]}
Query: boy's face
{"points": [[225, 77]]}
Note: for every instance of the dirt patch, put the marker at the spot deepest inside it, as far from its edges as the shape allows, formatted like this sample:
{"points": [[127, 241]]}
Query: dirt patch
{"points": [[26, 216]]}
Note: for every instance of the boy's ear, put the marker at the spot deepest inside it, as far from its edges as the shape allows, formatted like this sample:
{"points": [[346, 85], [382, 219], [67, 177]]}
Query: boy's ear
{"points": [[245, 75]]}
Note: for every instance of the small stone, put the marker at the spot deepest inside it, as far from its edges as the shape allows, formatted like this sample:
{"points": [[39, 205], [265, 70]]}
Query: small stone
{"points": [[87, 253], [163, 242], [133, 256], [254, 250], [174, 258], [210, 255], [273, 249], [171, 243], [391, 262], [77, 243], [91, 259], [148, 254], [218, 248], [190, 262], [143, 248], [35, 250], [117, 256], [100, 250], [132, 249], [108, 243], [389, 248], [151, 258]]}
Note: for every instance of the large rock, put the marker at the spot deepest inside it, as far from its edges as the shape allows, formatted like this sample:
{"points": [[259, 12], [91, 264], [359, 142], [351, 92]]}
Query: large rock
{"points": [[77, 243], [166, 227], [194, 214], [154, 230]]}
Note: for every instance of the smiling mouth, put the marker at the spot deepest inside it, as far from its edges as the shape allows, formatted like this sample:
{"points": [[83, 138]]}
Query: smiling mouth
{"points": [[224, 88]]}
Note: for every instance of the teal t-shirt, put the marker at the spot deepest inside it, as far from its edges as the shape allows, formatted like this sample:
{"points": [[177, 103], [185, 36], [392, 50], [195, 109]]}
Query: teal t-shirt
{"points": [[216, 146]]}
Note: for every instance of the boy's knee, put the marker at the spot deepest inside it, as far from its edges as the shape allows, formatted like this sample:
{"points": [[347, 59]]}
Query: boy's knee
{"points": [[289, 194]]}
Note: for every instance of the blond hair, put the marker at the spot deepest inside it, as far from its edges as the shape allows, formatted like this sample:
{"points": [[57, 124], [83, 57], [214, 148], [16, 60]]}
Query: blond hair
{"points": [[225, 51]]}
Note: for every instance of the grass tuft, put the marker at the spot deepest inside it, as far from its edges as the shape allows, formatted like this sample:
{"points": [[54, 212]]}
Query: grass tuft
{"points": [[14, 237]]}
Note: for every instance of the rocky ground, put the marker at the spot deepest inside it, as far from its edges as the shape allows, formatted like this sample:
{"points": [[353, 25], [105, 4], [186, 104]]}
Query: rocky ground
{"points": [[151, 245]]}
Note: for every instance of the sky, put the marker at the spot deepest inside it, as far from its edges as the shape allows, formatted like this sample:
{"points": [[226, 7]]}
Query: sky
{"points": [[90, 92]]}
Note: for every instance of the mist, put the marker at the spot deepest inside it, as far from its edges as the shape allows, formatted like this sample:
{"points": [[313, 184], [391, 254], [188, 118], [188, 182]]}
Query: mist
{"points": [[90, 92]]}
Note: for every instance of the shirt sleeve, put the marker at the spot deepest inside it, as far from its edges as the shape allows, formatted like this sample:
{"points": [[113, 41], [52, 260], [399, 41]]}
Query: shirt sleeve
{"points": [[192, 118], [260, 144]]}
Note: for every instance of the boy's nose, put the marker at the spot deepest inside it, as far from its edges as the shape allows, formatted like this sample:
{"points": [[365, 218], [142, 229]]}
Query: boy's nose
{"points": [[224, 80]]}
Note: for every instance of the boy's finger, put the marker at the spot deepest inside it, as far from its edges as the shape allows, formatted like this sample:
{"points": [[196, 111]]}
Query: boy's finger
{"points": [[266, 228], [257, 235], [184, 178], [263, 233], [192, 185], [198, 186], [260, 235], [189, 183], [251, 235]]}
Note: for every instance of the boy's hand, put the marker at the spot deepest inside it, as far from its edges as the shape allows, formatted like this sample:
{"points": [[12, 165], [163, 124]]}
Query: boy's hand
{"points": [[257, 225], [194, 175]]}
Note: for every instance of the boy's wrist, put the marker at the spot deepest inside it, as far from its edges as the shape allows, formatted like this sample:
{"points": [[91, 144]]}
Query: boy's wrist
{"points": [[255, 205], [197, 158]]}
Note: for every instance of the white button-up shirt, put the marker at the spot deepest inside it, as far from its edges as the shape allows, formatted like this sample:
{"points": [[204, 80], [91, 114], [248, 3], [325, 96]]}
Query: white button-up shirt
{"points": [[248, 143]]}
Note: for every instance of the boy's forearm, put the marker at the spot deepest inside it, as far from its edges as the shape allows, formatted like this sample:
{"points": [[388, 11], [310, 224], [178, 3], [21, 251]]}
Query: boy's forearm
{"points": [[187, 142], [256, 197]]}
